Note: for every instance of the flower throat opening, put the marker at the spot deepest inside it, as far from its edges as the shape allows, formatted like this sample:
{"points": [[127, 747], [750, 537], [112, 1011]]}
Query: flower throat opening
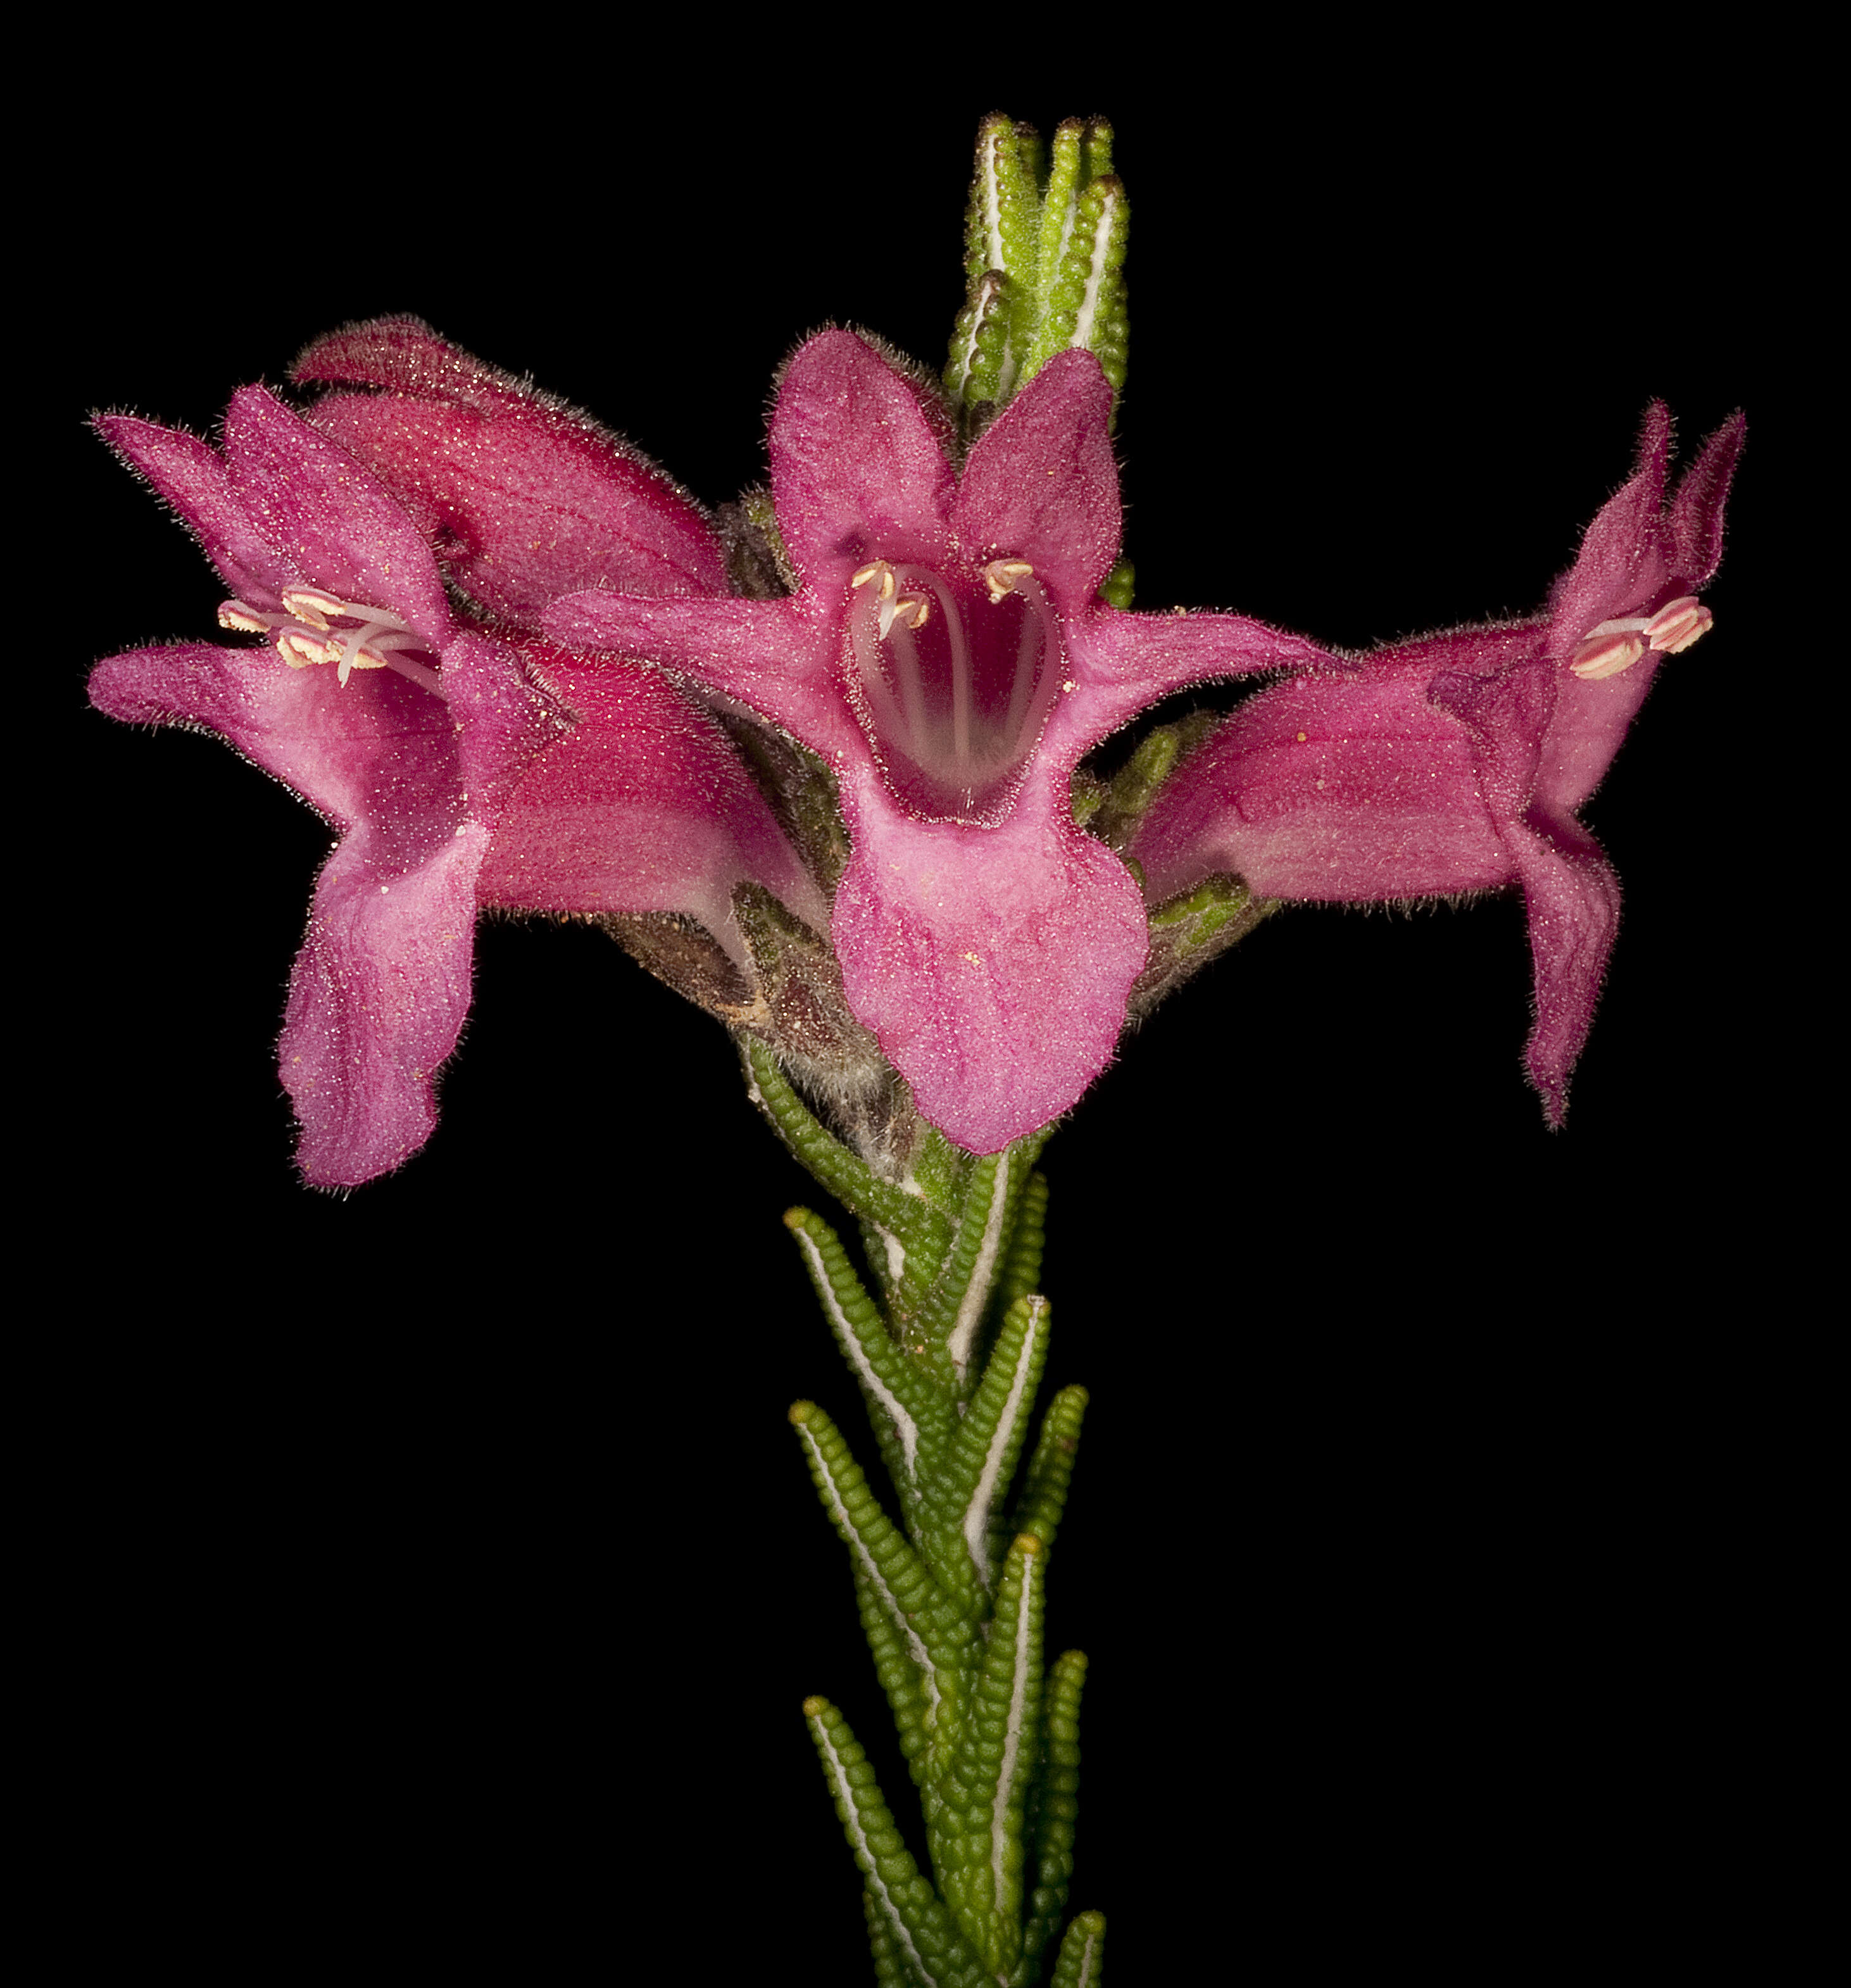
{"points": [[957, 678]]}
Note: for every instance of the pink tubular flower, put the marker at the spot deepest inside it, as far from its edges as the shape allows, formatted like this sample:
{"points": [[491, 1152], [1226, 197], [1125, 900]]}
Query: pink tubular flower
{"points": [[1457, 763], [947, 653], [454, 773], [522, 498]]}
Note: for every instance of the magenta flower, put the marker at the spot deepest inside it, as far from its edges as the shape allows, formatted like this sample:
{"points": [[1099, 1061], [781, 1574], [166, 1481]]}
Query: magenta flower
{"points": [[947, 653], [454, 772], [522, 497], [1457, 763]]}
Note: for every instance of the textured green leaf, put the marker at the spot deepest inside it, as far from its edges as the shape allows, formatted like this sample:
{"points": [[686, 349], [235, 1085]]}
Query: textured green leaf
{"points": [[911, 1415], [954, 1307], [934, 1629], [1082, 1953], [964, 1499], [1053, 1808], [919, 1937], [1021, 1268], [977, 1847], [1060, 199], [912, 1694], [1001, 250], [1079, 301], [1044, 1491], [859, 1189]]}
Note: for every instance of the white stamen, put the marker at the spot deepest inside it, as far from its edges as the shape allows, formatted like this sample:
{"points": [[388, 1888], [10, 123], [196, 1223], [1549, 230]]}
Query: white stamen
{"points": [[905, 653], [1616, 645]]}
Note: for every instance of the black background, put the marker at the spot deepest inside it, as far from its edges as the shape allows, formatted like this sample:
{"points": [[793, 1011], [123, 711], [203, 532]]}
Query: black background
{"points": [[442, 1575]]}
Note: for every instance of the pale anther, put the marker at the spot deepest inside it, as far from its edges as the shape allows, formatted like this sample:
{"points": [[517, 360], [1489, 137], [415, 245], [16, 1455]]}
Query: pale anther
{"points": [[1606, 655], [909, 610], [311, 605], [1000, 575], [299, 649], [235, 614], [866, 573], [1677, 624]]}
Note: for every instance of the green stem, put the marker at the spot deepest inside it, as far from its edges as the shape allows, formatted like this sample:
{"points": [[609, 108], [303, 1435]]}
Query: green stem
{"points": [[951, 1596]]}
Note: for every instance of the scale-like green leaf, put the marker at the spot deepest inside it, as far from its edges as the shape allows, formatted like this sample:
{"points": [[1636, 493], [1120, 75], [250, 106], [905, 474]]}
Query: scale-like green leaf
{"points": [[1053, 1809], [920, 1936], [1082, 1953], [1044, 1491], [966, 1494], [977, 1848], [853, 1183], [959, 1295], [912, 1416], [1002, 243], [1079, 301], [1021, 1268], [934, 1630], [952, 1310]]}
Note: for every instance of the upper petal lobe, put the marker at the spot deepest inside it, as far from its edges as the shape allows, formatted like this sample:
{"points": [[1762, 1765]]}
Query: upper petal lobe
{"points": [[526, 499], [857, 465], [1042, 485]]}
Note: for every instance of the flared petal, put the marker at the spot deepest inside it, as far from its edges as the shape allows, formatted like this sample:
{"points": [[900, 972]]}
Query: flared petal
{"points": [[377, 1000], [993, 967], [1697, 511], [1586, 728], [1042, 485], [1624, 561], [1349, 789], [381, 985], [1572, 900], [857, 464], [380, 748], [1123, 664], [1638, 554], [1570, 893], [777, 657], [643, 806], [525, 498], [192, 477], [329, 516]]}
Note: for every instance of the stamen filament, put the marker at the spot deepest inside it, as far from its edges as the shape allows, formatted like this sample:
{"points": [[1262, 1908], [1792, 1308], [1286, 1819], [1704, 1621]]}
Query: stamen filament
{"points": [[961, 675], [890, 721], [305, 636], [905, 652]]}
